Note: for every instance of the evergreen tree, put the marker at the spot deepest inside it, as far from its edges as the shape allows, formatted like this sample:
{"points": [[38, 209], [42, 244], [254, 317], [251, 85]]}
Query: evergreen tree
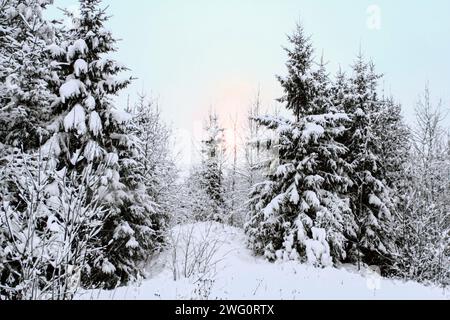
{"points": [[298, 212], [25, 71], [370, 193], [298, 85], [394, 157], [212, 177], [394, 151], [195, 204], [156, 159]]}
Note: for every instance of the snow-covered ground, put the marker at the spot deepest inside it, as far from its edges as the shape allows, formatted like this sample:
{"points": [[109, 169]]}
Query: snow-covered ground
{"points": [[218, 266]]}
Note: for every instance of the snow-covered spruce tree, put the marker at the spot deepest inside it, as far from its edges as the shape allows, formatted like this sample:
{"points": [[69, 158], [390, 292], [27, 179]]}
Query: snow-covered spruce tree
{"points": [[24, 72], [195, 204], [394, 162], [394, 151], [211, 177], [370, 194], [134, 229], [89, 130], [156, 159], [298, 212]]}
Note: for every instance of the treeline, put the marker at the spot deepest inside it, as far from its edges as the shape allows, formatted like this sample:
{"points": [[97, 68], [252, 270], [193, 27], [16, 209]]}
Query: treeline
{"points": [[339, 179]]}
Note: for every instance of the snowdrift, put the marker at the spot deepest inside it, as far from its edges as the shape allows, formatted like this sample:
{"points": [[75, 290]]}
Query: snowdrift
{"points": [[210, 261]]}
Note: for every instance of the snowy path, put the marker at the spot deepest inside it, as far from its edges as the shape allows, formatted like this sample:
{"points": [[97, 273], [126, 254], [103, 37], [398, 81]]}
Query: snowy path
{"points": [[236, 274]]}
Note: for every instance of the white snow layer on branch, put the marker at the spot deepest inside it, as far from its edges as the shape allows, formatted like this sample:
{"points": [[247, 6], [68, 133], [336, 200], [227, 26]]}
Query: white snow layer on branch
{"points": [[108, 267], [80, 67], [90, 102], [123, 229], [295, 197], [76, 119], [79, 46], [55, 50], [311, 198], [71, 88], [51, 147], [92, 151], [312, 131], [317, 249], [95, 123], [274, 205], [374, 200], [121, 116]]}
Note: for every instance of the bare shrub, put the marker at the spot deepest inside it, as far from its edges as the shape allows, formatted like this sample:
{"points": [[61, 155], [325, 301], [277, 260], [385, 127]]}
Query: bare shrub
{"points": [[47, 221], [195, 255]]}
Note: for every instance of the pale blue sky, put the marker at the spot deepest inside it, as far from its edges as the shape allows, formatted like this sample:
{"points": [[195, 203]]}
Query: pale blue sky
{"points": [[197, 53]]}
